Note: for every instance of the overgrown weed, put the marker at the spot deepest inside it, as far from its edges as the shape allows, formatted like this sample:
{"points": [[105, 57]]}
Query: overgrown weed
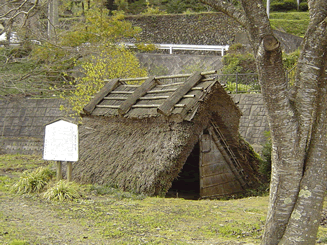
{"points": [[33, 182], [63, 190]]}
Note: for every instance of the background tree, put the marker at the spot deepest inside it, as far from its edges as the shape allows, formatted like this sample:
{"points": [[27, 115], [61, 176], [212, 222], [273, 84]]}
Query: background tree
{"points": [[297, 119], [92, 47], [92, 36], [18, 14]]}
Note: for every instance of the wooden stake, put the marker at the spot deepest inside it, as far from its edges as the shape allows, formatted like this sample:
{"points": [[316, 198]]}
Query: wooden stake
{"points": [[69, 171], [59, 170]]}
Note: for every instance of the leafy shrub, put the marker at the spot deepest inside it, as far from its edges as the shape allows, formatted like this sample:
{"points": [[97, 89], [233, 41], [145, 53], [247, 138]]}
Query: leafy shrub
{"points": [[121, 4], [290, 4], [284, 5], [34, 181], [303, 6], [182, 6], [153, 11], [231, 86], [277, 7], [235, 47], [238, 63], [63, 190], [290, 60]]}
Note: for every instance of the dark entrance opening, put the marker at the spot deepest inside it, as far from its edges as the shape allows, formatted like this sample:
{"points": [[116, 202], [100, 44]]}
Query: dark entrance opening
{"points": [[187, 184]]}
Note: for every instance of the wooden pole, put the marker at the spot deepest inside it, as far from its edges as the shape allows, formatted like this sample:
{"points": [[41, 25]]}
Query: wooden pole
{"points": [[52, 17], [59, 170], [69, 171]]}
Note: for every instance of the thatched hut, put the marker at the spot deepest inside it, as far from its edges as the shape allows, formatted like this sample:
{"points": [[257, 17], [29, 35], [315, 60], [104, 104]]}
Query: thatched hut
{"points": [[165, 135]]}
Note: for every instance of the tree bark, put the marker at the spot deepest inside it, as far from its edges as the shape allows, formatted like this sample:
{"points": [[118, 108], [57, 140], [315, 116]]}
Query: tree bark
{"points": [[297, 121]]}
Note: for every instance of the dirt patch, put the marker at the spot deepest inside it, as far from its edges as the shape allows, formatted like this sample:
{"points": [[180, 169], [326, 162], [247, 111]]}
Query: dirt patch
{"points": [[41, 225], [37, 221]]}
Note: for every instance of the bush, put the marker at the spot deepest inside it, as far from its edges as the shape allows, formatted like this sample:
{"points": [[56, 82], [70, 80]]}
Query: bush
{"points": [[284, 5], [63, 190], [231, 86], [33, 182], [290, 4], [181, 6], [290, 60], [238, 63], [303, 6]]}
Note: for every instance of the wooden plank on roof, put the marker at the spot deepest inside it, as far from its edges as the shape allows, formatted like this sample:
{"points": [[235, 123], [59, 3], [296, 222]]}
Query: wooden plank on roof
{"points": [[115, 98], [168, 105], [107, 88], [108, 106], [139, 92], [199, 94], [164, 97], [162, 91]]}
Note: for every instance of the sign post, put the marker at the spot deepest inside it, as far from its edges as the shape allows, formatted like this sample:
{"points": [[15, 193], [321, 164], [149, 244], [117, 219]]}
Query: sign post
{"points": [[61, 144]]}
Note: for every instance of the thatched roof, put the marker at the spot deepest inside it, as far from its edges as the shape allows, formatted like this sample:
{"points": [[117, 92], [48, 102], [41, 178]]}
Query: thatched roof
{"points": [[154, 97], [138, 137]]}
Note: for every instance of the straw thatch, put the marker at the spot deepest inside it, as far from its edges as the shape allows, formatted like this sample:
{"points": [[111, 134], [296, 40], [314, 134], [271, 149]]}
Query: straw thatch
{"points": [[143, 149]]}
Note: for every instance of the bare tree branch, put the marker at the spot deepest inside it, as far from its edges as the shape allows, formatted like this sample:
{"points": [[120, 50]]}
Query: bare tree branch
{"points": [[24, 8]]}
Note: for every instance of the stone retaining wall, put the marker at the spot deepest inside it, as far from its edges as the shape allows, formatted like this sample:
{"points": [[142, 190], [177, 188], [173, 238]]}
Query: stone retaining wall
{"points": [[199, 28], [254, 120], [159, 64], [22, 122]]}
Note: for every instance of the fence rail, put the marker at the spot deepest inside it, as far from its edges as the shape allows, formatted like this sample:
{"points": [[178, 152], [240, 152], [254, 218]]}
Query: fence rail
{"points": [[217, 48], [248, 82], [240, 82]]}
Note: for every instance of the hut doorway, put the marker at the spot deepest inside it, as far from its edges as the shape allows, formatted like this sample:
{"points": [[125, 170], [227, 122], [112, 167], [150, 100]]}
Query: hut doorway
{"points": [[187, 184]]}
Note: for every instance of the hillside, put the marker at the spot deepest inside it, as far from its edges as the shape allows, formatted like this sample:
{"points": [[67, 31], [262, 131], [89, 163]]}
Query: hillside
{"points": [[294, 23], [22, 75]]}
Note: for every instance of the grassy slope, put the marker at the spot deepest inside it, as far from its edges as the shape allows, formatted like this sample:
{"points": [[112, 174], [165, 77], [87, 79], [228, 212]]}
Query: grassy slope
{"points": [[107, 216], [292, 22]]}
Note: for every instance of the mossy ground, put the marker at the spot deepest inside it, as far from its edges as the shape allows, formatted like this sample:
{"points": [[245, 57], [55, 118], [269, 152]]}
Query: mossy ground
{"points": [[107, 216]]}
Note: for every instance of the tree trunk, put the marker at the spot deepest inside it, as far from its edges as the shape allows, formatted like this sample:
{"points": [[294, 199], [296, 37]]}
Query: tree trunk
{"points": [[52, 17], [296, 118]]}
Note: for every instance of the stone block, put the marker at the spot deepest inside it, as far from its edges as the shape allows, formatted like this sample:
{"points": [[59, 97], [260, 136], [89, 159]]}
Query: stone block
{"points": [[12, 112], [40, 111], [10, 131], [30, 103], [53, 112]]}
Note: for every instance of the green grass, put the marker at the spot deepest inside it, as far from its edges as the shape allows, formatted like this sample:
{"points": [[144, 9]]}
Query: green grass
{"points": [[294, 23], [105, 215], [19, 163]]}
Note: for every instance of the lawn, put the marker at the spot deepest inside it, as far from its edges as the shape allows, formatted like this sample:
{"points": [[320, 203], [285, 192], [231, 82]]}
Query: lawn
{"points": [[104, 215]]}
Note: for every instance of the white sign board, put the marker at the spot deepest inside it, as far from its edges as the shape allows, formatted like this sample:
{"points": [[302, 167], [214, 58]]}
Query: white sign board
{"points": [[61, 142]]}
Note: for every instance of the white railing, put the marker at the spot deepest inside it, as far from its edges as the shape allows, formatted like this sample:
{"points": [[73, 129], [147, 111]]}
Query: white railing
{"points": [[217, 48]]}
